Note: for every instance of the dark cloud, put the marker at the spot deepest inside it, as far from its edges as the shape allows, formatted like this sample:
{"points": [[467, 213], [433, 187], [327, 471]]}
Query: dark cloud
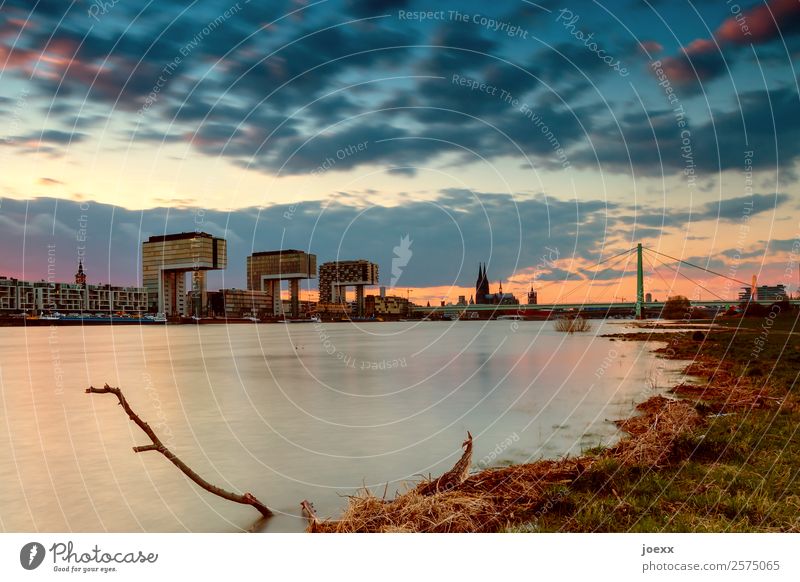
{"points": [[748, 254], [733, 209], [700, 61], [309, 66], [276, 96], [651, 143], [705, 59], [47, 141], [402, 171], [727, 210], [365, 8], [762, 23], [460, 49], [789, 245]]}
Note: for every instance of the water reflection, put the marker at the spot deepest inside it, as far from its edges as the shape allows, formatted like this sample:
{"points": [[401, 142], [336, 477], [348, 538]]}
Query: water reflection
{"points": [[289, 413]]}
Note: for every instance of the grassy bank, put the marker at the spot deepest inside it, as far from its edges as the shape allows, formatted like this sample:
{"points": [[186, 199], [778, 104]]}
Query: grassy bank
{"points": [[722, 456], [737, 472]]}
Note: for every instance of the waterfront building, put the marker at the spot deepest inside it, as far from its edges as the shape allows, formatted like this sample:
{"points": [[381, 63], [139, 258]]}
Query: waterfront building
{"points": [[533, 297], [267, 269], [481, 286], [386, 305], [764, 293], [238, 303], [31, 297], [335, 277], [484, 296], [333, 310], [307, 307], [165, 261], [80, 276]]}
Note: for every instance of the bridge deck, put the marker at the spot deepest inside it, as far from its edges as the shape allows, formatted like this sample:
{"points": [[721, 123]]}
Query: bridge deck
{"points": [[581, 306]]}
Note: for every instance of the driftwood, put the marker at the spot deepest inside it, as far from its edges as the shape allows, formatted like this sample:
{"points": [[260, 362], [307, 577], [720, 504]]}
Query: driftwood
{"points": [[496, 498], [454, 477], [311, 514], [157, 445]]}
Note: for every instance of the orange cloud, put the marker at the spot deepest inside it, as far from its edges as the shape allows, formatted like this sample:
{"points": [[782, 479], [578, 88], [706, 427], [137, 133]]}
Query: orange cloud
{"points": [[762, 23]]}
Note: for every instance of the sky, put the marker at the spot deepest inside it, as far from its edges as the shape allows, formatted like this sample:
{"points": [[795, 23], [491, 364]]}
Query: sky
{"points": [[541, 138]]}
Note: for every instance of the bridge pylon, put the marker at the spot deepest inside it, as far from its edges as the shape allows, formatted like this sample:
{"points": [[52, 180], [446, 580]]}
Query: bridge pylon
{"points": [[639, 283]]}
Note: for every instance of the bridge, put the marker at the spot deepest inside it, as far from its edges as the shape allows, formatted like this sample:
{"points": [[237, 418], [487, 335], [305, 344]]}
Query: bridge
{"points": [[638, 308]]}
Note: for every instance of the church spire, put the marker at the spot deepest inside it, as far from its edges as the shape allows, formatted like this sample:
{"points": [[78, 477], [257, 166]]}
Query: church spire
{"points": [[80, 276]]}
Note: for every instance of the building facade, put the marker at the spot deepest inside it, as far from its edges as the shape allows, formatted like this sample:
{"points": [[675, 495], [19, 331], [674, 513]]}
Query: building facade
{"points": [[267, 269], [166, 259], [764, 293], [386, 305], [484, 296], [481, 286], [238, 303], [41, 296], [335, 277]]}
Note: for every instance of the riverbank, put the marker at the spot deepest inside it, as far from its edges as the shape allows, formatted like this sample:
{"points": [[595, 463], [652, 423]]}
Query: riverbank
{"points": [[719, 456]]}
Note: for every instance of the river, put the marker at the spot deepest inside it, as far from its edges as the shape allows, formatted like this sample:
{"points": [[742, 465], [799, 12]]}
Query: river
{"points": [[290, 412]]}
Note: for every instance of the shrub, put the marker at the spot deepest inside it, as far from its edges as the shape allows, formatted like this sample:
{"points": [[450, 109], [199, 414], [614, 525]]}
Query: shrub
{"points": [[571, 324], [677, 307]]}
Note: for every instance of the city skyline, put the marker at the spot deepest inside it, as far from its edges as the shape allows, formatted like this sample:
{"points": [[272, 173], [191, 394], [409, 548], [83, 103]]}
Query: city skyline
{"points": [[536, 137], [66, 246]]}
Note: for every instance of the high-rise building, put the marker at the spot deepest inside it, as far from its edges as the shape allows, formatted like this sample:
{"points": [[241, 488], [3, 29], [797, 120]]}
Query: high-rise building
{"points": [[335, 277], [764, 293], [165, 261], [266, 270]]}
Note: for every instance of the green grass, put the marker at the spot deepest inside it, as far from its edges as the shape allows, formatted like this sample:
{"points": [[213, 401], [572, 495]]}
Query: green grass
{"points": [[739, 473], [738, 476]]}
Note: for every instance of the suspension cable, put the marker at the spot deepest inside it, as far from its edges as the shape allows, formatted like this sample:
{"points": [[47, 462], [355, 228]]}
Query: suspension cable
{"points": [[690, 279], [697, 266], [656, 271], [611, 266], [587, 268]]}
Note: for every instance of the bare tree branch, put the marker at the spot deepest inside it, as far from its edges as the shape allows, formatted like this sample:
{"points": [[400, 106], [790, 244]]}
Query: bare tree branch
{"points": [[157, 445]]}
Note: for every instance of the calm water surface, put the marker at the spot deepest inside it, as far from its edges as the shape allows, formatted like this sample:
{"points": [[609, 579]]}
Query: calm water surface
{"points": [[290, 412]]}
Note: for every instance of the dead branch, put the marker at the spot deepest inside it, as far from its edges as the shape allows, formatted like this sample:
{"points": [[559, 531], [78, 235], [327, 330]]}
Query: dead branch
{"points": [[157, 445], [311, 514], [454, 477]]}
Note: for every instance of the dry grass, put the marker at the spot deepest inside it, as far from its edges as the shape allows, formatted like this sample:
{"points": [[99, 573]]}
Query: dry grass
{"points": [[655, 431], [485, 502], [572, 324], [660, 438], [497, 498]]}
